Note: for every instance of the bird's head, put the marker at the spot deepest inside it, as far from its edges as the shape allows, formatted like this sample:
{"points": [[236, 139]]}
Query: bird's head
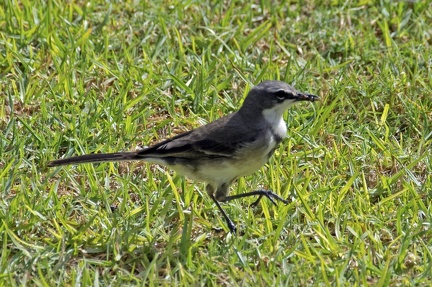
{"points": [[275, 95]]}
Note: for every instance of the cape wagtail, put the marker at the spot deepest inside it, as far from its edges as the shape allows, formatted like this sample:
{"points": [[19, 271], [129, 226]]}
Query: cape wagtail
{"points": [[220, 152]]}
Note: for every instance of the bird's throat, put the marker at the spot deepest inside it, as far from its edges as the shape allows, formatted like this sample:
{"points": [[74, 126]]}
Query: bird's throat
{"points": [[276, 122]]}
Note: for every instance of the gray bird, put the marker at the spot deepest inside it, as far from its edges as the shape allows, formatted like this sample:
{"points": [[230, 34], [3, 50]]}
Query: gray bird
{"points": [[220, 152]]}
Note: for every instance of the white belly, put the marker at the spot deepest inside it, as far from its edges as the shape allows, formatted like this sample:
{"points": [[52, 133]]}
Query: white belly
{"points": [[219, 171]]}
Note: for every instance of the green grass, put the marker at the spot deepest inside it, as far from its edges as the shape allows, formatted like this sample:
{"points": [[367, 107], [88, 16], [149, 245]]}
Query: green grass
{"points": [[78, 77]]}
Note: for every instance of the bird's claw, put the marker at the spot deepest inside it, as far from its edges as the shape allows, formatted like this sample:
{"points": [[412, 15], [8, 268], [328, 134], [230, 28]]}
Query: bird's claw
{"points": [[271, 196]]}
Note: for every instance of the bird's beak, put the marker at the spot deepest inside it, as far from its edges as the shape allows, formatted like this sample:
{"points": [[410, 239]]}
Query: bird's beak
{"points": [[307, 97]]}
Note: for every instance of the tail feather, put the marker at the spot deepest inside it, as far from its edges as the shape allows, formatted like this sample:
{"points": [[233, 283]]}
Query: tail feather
{"points": [[97, 157]]}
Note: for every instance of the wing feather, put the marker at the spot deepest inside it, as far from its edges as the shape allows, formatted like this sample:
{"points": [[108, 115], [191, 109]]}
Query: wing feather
{"points": [[221, 138]]}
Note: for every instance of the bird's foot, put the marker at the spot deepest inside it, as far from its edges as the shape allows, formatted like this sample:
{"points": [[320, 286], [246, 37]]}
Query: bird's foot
{"points": [[232, 227], [270, 195]]}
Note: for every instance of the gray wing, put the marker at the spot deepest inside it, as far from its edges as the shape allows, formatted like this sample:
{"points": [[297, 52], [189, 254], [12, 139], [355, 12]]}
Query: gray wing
{"points": [[220, 138]]}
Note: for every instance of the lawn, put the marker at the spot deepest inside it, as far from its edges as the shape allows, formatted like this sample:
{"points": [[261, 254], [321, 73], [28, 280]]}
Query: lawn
{"points": [[82, 77]]}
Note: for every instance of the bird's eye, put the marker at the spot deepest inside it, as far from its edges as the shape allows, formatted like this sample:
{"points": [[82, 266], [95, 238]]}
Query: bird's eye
{"points": [[281, 95]]}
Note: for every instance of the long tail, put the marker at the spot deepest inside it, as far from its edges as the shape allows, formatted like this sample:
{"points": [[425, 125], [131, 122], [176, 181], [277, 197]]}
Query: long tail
{"points": [[97, 157]]}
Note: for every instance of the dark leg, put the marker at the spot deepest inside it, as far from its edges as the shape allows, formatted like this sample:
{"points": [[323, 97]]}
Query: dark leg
{"points": [[267, 193], [230, 224]]}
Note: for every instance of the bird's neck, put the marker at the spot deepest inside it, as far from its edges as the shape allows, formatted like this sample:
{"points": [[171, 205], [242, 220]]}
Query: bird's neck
{"points": [[274, 119]]}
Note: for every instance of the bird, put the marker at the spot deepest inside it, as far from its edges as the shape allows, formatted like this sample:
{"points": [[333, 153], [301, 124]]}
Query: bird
{"points": [[220, 152]]}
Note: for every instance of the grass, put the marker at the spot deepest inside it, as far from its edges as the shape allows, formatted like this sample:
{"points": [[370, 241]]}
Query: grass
{"points": [[80, 77]]}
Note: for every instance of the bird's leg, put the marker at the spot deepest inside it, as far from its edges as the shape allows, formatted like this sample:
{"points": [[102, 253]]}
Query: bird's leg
{"points": [[219, 192], [221, 196], [267, 193], [229, 222]]}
